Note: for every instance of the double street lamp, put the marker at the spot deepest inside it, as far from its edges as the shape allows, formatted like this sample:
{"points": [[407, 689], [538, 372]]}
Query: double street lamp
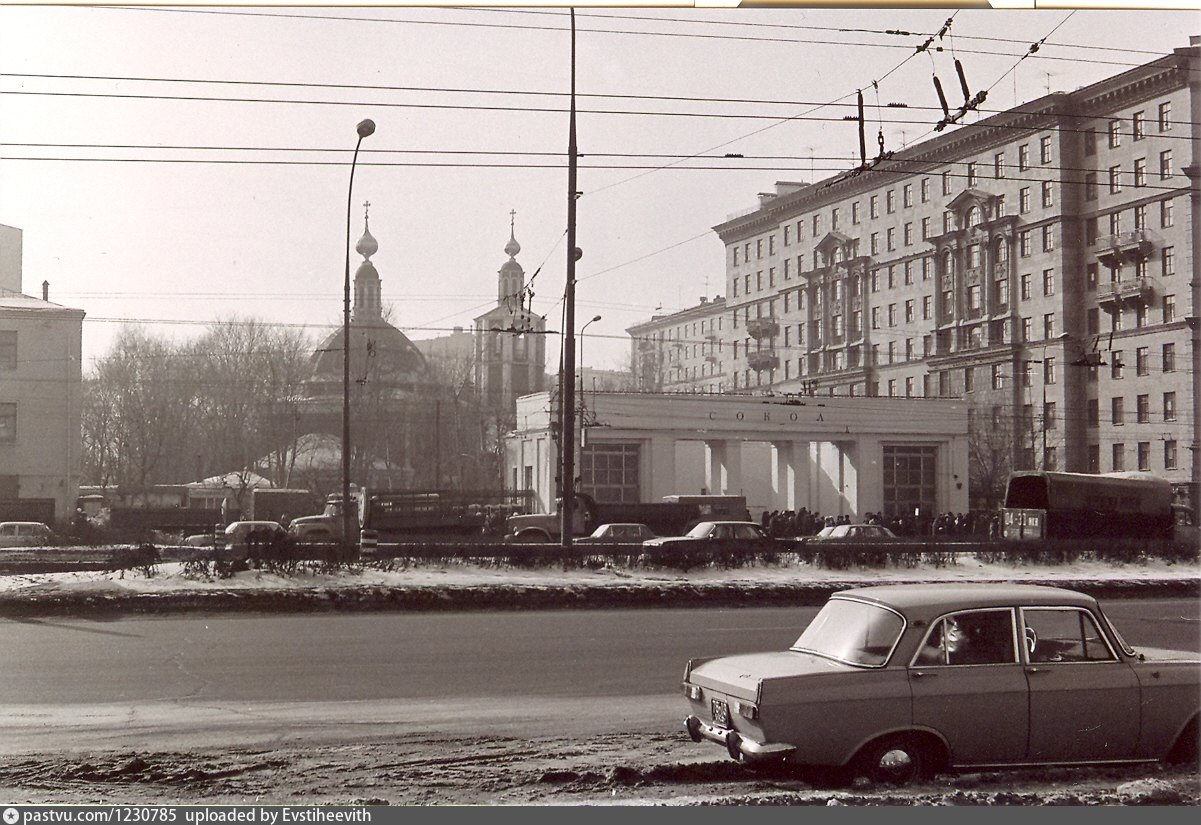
{"points": [[365, 129]]}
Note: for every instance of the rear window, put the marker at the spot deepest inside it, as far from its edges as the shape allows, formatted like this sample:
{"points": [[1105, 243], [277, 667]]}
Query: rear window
{"points": [[854, 632], [1027, 493]]}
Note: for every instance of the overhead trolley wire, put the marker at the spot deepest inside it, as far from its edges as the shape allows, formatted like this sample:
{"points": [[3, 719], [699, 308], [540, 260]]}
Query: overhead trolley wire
{"points": [[523, 27]]}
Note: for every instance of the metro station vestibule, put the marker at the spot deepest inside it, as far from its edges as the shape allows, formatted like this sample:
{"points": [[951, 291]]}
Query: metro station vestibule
{"points": [[834, 455]]}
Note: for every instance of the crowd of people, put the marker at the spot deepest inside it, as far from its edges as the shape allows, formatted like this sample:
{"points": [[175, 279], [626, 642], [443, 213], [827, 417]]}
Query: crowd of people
{"points": [[801, 523]]}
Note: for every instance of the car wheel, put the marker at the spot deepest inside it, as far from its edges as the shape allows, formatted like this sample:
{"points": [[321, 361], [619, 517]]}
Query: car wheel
{"points": [[1187, 749], [894, 760]]}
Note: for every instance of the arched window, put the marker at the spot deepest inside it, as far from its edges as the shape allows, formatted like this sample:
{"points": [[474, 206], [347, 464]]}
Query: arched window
{"points": [[946, 268], [1000, 256], [838, 254], [975, 216]]}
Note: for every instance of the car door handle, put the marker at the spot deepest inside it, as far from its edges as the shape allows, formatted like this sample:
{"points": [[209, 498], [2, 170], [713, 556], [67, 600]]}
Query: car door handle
{"points": [[921, 674], [1036, 670]]}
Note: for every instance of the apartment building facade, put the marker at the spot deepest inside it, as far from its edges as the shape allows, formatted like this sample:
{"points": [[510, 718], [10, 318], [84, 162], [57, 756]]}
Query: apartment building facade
{"points": [[40, 391], [1040, 263], [682, 351]]}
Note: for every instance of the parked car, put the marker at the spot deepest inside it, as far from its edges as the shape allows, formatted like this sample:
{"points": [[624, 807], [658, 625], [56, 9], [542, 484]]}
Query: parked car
{"points": [[741, 532], [899, 682], [625, 533], [855, 532], [26, 534], [238, 534]]}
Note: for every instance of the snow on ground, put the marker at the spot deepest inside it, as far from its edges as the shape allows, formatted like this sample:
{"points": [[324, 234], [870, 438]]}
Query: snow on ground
{"points": [[171, 577]]}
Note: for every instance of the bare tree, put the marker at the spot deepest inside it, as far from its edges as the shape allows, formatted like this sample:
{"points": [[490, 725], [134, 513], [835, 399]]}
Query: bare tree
{"points": [[138, 410]]}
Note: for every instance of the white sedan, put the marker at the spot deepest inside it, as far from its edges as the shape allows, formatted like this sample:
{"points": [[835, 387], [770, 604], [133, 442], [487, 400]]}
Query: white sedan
{"points": [[856, 532]]}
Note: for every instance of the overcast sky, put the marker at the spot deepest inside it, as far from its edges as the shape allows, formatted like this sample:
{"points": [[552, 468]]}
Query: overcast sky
{"points": [[472, 124]]}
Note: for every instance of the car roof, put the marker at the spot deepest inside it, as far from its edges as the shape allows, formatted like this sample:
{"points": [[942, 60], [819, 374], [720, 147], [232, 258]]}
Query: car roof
{"points": [[934, 599], [621, 524], [24, 523]]}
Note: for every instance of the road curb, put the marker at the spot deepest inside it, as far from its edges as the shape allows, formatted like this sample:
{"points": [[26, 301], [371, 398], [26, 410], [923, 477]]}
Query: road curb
{"points": [[365, 598]]}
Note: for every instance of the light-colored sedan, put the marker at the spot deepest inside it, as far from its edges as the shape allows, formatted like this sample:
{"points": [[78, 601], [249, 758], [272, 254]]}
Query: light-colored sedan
{"points": [[618, 534], [25, 534], [903, 681], [855, 532]]}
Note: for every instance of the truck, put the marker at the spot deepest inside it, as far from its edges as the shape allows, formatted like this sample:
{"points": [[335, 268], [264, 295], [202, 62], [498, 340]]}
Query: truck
{"points": [[672, 516], [1055, 505], [412, 515]]}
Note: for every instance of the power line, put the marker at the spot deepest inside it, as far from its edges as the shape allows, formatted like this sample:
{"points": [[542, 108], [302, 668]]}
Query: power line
{"points": [[505, 92], [640, 33]]}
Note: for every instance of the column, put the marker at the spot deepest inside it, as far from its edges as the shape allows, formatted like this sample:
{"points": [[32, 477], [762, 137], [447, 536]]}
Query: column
{"points": [[863, 476], [659, 467], [784, 475], [723, 467]]}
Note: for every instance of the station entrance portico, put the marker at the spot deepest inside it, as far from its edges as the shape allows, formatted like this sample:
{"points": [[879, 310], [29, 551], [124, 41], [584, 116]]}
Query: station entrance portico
{"points": [[835, 455]]}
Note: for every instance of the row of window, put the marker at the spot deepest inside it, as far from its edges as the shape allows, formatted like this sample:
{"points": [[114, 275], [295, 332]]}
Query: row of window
{"points": [[1137, 177], [796, 231], [1171, 455], [755, 282], [1142, 409], [1138, 128], [1025, 205]]}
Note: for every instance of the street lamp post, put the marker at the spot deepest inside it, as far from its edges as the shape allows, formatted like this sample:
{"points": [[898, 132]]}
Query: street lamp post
{"points": [[583, 329], [580, 395], [364, 129]]}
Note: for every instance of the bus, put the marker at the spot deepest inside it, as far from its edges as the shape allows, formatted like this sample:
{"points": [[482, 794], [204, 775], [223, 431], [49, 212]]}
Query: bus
{"points": [[1051, 505]]}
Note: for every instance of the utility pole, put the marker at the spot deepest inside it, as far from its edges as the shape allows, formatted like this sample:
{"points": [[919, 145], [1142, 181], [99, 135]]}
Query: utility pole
{"points": [[567, 374]]}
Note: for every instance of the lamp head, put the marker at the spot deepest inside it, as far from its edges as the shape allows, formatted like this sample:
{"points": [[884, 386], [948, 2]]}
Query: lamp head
{"points": [[365, 128], [597, 318]]}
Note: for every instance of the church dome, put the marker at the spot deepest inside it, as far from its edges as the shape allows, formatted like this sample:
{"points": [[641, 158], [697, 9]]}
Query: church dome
{"points": [[379, 352]]}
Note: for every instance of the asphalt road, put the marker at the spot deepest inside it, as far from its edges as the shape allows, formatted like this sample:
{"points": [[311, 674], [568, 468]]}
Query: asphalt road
{"points": [[224, 679]]}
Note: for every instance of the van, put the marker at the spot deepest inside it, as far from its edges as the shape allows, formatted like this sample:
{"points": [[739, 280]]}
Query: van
{"points": [[25, 534]]}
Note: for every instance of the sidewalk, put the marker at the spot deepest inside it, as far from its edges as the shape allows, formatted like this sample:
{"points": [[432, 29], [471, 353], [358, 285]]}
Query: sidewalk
{"points": [[470, 587]]}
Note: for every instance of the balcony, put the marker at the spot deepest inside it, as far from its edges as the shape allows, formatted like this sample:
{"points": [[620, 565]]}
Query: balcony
{"points": [[1127, 293], [762, 359], [1125, 247], [760, 328]]}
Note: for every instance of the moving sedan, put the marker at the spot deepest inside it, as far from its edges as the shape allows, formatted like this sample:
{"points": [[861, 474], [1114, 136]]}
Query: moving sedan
{"points": [[855, 532], [902, 681], [742, 533], [623, 533]]}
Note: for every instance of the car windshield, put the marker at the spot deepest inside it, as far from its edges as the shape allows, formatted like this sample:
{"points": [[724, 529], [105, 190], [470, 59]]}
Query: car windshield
{"points": [[853, 632], [701, 530]]}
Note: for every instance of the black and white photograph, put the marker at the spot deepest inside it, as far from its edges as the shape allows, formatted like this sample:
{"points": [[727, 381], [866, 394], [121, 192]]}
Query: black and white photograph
{"points": [[657, 406]]}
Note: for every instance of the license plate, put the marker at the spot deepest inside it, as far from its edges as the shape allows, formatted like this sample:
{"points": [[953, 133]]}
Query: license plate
{"points": [[721, 711]]}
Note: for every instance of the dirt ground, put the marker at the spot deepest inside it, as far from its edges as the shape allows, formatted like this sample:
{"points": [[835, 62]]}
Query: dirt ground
{"points": [[658, 768]]}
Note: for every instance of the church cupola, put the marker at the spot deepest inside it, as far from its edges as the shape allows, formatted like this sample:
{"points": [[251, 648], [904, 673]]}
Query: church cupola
{"points": [[367, 306], [512, 276]]}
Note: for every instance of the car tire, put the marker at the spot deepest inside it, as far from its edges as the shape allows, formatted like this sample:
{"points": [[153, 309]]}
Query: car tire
{"points": [[1187, 748], [894, 760]]}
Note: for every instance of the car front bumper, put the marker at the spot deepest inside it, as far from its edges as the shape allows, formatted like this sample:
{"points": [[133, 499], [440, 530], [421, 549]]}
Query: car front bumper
{"points": [[738, 746]]}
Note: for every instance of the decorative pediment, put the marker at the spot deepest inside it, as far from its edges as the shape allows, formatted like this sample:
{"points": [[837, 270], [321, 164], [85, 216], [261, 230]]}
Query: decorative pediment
{"points": [[966, 202], [831, 241], [836, 248]]}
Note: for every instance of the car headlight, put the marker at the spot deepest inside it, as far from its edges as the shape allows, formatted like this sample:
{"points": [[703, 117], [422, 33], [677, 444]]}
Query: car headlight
{"points": [[746, 709], [691, 691]]}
